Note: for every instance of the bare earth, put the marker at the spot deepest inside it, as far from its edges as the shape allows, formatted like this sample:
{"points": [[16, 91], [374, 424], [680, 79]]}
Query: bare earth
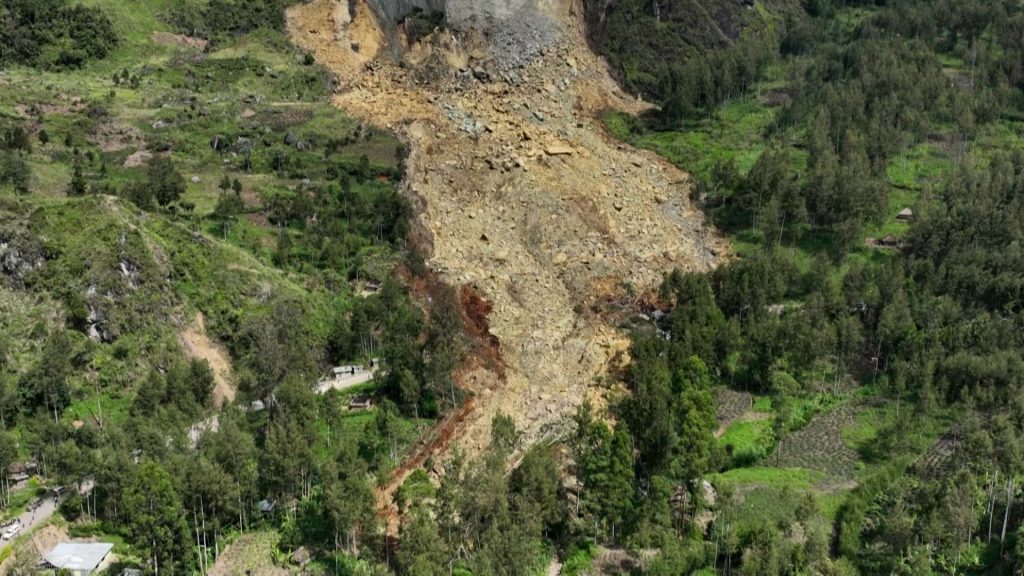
{"points": [[198, 345], [524, 198]]}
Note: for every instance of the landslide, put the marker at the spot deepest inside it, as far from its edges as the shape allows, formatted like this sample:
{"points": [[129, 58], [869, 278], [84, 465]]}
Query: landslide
{"points": [[524, 198]]}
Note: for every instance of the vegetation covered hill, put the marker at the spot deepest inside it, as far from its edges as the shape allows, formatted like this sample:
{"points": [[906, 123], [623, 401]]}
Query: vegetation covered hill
{"points": [[842, 397], [174, 186], [867, 171]]}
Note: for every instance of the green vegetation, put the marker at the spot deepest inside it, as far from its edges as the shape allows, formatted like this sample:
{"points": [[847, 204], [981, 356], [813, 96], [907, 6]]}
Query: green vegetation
{"points": [[184, 182], [808, 130], [747, 441], [793, 478], [166, 199], [53, 33]]}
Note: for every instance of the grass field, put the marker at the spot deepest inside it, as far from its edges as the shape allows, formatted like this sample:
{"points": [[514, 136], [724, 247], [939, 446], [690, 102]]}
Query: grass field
{"points": [[748, 440]]}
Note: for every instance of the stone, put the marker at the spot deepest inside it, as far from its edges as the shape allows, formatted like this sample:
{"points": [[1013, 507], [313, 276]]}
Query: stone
{"points": [[497, 88], [558, 150]]}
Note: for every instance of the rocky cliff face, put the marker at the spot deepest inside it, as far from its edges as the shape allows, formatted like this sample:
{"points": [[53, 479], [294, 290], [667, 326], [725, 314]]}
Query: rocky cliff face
{"points": [[391, 11], [459, 14]]}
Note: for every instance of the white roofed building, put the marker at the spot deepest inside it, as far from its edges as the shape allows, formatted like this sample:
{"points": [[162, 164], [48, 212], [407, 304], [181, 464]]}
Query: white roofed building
{"points": [[80, 559]]}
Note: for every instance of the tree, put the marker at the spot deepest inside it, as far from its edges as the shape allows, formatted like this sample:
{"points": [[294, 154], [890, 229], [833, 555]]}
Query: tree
{"points": [[347, 499], [227, 208], [604, 470], [649, 415], [536, 486], [156, 520], [78, 185], [8, 454], [165, 182], [421, 552], [46, 384], [283, 251], [695, 421], [14, 170], [409, 390], [17, 138]]}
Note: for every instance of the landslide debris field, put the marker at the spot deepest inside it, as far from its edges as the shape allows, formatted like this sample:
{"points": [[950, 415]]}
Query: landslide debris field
{"points": [[521, 194]]}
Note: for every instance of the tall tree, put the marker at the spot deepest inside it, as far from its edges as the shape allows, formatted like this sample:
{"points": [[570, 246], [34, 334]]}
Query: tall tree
{"points": [[156, 520]]}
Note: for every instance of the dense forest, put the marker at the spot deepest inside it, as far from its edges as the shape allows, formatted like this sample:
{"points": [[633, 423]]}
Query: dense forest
{"points": [[841, 396], [918, 327]]}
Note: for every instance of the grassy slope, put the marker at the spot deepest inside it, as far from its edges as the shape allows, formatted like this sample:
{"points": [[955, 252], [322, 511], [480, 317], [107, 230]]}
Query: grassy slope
{"points": [[187, 267]]}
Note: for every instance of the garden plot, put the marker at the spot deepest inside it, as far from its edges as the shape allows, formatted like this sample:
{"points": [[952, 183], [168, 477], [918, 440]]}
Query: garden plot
{"points": [[819, 446], [934, 462], [730, 405]]}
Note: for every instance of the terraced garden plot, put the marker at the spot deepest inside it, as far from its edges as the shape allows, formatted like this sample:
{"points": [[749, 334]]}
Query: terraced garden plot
{"points": [[730, 405], [933, 462], [819, 446]]}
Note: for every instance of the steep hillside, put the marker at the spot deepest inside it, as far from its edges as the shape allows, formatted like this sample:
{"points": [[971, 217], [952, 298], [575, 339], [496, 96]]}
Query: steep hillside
{"points": [[648, 43], [523, 196]]}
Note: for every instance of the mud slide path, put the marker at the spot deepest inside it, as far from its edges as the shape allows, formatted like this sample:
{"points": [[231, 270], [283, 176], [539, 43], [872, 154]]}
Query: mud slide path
{"points": [[523, 195], [198, 345]]}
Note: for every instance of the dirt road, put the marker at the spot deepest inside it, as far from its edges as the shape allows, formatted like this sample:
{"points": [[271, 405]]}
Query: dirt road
{"points": [[32, 520], [523, 197], [345, 381]]}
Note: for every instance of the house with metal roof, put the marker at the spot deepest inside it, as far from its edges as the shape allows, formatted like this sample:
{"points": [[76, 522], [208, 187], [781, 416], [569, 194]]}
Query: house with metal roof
{"points": [[78, 558]]}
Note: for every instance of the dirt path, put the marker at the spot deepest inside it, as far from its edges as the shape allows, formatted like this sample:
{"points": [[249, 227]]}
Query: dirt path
{"points": [[524, 199], [198, 345]]}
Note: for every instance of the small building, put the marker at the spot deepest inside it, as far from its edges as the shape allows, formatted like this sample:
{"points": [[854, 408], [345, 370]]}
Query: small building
{"points": [[360, 403], [906, 215], [266, 506], [349, 370], [78, 558], [21, 471], [889, 241]]}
